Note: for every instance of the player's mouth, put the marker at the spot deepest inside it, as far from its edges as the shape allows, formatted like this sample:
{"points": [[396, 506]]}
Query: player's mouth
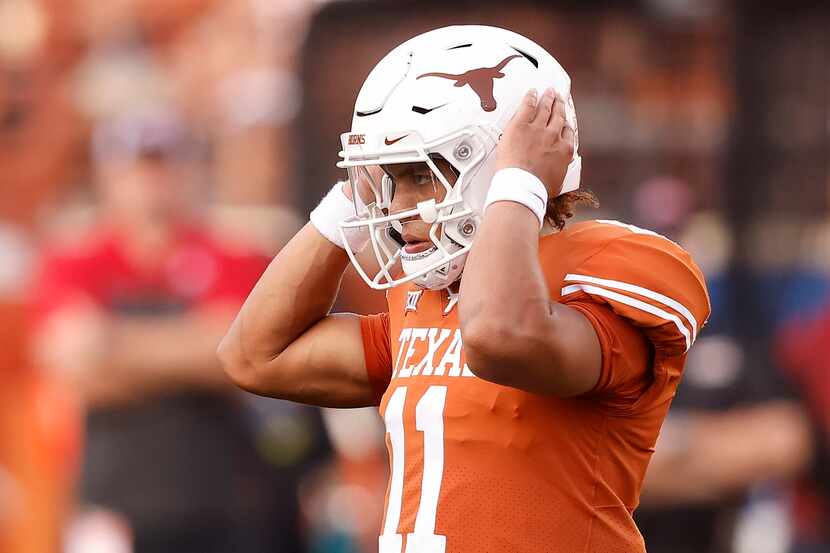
{"points": [[418, 247], [415, 244]]}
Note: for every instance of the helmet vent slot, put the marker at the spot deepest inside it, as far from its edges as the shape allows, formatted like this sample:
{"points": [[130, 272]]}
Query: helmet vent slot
{"points": [[424, 111], [467, 45], [528, 57], [368, 112]]}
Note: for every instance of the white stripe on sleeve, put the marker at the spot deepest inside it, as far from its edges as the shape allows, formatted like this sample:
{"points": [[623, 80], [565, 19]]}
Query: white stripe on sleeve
{"points": [[632, 302], [651, 294]]}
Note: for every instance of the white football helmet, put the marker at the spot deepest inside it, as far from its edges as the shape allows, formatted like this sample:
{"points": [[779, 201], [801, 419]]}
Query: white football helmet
{"points": [[449, 92]]}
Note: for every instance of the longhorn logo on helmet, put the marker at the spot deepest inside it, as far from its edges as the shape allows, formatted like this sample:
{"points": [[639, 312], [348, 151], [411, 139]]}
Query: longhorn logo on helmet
{"points": [[481, 80]]}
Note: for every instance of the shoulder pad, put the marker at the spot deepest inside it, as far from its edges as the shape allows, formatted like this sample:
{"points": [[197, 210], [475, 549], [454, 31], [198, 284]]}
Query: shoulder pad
{"points": [[648, 280]]}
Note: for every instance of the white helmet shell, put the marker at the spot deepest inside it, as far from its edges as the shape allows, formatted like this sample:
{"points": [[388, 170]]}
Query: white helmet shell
{"points": [[449, 92]]}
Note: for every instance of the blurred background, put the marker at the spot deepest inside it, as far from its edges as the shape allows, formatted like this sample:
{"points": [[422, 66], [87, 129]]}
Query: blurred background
{"points": [[154, 154]]}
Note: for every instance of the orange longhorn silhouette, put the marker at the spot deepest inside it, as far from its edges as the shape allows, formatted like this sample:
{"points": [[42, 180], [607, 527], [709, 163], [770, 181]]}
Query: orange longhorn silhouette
{"points": [[481, 80]]}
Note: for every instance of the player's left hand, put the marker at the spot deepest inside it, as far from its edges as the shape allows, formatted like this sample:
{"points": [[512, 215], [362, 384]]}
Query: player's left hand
{"points": [[538, 140]]}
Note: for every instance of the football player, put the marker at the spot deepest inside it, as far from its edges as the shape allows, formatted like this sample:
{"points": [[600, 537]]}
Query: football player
{"points": [[523, 368]]}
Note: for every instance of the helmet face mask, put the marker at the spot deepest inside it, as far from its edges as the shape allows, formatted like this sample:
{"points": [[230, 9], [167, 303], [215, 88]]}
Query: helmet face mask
{"points": [[452, 222], [445, 95]]}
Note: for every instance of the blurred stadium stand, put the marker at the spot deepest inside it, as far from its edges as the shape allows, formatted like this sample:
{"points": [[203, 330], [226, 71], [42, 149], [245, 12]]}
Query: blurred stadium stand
{"points": [[707, 119]]}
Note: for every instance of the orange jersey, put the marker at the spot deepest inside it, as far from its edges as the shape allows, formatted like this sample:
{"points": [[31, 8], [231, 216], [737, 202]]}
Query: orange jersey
{"points": [[480, 467]]}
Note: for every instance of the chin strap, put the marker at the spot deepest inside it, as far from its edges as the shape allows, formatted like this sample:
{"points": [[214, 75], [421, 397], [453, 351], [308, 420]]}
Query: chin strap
{"points": [[572, 176]]}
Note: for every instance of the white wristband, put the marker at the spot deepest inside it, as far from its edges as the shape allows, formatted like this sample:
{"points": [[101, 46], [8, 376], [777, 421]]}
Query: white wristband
{"points": [[333, 208], [519, 186]]}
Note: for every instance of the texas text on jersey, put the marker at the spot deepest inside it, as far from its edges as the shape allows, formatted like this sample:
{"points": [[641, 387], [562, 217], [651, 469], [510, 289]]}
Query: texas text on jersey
{"points": [[476, 466]]}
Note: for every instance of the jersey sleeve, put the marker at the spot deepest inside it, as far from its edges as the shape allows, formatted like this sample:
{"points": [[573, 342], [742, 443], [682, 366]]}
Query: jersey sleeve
{"points": [[624, 374], [377, 351], [650, 282]]}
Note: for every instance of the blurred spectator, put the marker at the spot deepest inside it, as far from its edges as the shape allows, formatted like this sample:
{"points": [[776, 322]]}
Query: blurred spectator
{"points": [[804, 350], [39, 423], [733, 424], [130, 314], [345, 503]]}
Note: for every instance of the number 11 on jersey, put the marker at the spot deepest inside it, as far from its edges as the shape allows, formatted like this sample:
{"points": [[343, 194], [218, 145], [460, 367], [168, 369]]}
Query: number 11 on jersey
{"points": [[429, 419]]}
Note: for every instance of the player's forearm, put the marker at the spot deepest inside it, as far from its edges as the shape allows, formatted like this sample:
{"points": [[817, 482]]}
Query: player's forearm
{"points": [[504, 300], [297, 290]]}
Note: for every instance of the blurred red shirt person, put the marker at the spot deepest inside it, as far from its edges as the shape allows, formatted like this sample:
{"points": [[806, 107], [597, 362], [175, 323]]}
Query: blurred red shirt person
{"points": [[130, 314], [803, 350]]}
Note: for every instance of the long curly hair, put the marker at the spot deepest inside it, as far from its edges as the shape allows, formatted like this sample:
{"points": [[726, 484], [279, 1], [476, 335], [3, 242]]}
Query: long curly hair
{"points": [[561, 208]]}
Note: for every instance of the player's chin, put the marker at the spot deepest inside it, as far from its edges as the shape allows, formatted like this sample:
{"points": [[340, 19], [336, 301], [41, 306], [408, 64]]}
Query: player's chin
{"points": [[413, 257]]}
